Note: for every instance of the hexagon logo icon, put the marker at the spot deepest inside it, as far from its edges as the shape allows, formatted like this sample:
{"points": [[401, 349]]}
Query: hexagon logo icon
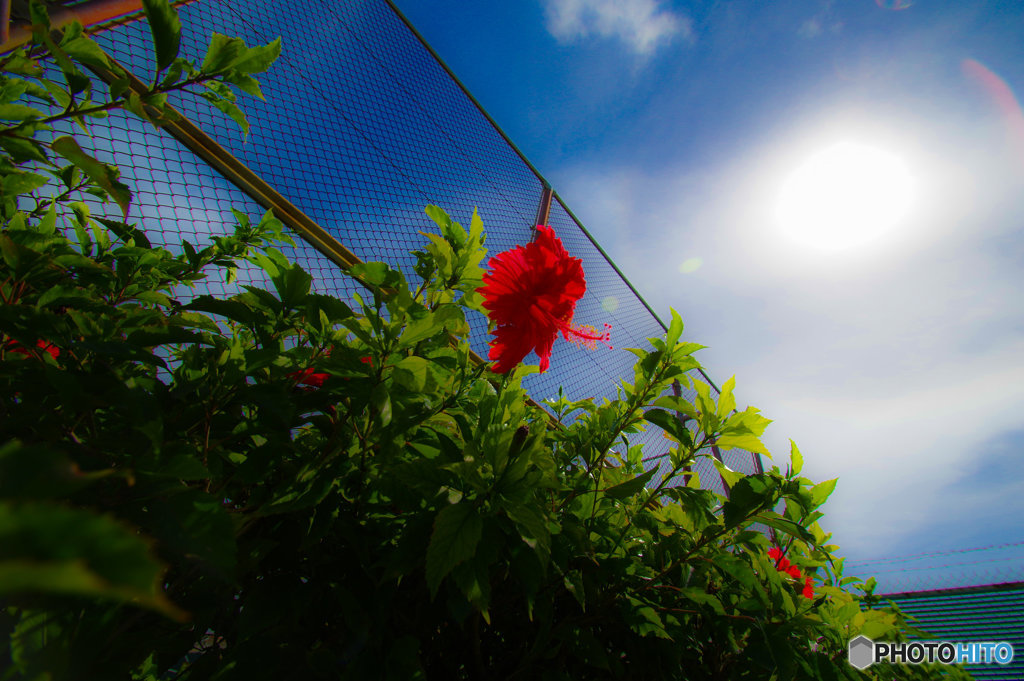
{"points": [[861, 652]]}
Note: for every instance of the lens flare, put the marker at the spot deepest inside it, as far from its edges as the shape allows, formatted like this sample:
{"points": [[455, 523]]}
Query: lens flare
{"points": [[691, 265], [610, 304], [1003, 98]]}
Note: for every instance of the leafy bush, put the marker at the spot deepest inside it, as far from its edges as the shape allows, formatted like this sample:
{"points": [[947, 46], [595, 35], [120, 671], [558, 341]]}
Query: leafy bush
{"points": [[276, 485]]}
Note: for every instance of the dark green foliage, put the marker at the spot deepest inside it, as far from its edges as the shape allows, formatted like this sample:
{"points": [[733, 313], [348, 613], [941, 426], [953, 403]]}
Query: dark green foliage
{"points": [[278, 486]]}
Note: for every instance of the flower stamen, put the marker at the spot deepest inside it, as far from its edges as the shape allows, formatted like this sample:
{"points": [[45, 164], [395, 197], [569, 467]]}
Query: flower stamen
{"points": [[586, 336]]}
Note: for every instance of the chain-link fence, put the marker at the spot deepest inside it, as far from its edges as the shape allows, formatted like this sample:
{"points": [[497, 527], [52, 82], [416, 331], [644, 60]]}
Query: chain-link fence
{"points": [[361, 128]]}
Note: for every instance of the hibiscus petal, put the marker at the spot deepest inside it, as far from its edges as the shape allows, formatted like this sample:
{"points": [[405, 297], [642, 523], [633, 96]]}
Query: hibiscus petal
{"points": [[509, 348]]}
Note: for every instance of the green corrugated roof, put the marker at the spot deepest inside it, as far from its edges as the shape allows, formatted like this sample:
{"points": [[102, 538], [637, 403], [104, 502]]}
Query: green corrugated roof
{"points": [[991, 613]]}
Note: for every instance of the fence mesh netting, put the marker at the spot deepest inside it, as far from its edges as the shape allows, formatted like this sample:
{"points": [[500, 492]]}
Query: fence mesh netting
{"points": [[361, 128]]}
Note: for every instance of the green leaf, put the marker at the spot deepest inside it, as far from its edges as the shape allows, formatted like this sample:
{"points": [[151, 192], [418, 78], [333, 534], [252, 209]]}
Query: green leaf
{"points": [[234, 310], [46, 548], [476, 227], [772, 519], [748, 442], [231, 53], [22, 149], [726, 400], [411, 373], [36, 472], [293, 285], [671, 424], [18, 112], [730, 476], [87, 51], [183, 467], [683, 349], [748, 421], [698, 595], [23, 66], [708, 412], [673, 403], [246, 84], [258, 59], [163, 335], [457, 531], [221, 90], [740, 570], [443, 254], [135, 104], [126, 232], [796, 458], [746, 496], [76, 80], [381, 401], [631, 487], [421, 329], [100, 173], [375, 274], [645, 620], [222, 53], [22, 183], [190, 319], [573, 581], [48, 223], [166, 29], [675, 329], [14, 89], [821, 492], [54, 92], [473, 580], [229, 108], [439, 216], [335, 309]]}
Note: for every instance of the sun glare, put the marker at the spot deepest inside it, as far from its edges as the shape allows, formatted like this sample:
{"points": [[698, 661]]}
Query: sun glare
{"points": [[844, 196]]}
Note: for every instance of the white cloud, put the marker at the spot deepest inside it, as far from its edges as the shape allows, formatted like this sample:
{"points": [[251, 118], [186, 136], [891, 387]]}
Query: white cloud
{"points": [[820, 22], [810, 28], [643, 25]]}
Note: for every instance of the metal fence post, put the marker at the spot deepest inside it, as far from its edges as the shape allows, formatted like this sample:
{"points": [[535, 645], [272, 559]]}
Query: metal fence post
{"points": [[543, 210]]}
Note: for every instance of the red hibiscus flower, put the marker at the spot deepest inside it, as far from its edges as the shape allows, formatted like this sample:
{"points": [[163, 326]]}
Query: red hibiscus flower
{"points": [[309, 377], [316, 379], [46, 346], [782, 564], [530, 293]]}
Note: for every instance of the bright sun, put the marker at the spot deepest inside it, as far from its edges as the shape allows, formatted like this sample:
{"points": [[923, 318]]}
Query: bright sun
{"points": [[844, 196]]}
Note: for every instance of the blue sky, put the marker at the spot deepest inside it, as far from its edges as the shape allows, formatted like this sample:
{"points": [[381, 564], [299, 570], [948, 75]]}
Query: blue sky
{"points": [[671, 129]]}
